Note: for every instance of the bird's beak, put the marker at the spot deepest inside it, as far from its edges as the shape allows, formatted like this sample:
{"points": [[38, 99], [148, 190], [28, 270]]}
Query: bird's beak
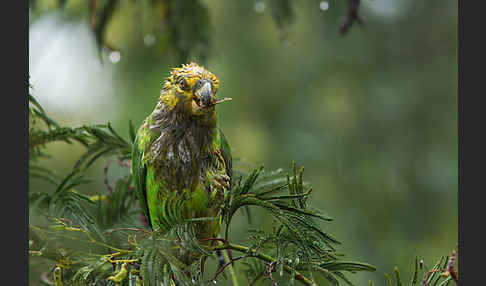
{"points": [[204, 96]]}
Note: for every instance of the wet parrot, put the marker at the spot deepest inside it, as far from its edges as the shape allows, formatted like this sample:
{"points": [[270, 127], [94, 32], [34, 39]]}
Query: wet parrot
{"points": [[181, 154]]}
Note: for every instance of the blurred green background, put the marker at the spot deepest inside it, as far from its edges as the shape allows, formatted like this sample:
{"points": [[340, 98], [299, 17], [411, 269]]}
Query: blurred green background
{"points": [[372, 115]]}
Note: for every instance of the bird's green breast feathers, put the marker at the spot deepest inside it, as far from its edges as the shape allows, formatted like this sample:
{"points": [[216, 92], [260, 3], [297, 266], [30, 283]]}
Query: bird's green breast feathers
{"points": [[151, 188]]}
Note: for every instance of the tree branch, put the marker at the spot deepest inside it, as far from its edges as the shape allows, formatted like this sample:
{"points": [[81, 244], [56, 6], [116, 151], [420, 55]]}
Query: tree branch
{"points": [[352, 16], [298, 276]]}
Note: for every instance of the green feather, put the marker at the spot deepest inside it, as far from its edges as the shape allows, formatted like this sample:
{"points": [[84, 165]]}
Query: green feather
{"points": [[139, 172], [152, 192], [181, 161]]}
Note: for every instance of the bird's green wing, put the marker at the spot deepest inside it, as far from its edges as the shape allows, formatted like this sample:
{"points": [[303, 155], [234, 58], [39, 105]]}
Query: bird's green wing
{"points": [[226, 153], [139, 171]]}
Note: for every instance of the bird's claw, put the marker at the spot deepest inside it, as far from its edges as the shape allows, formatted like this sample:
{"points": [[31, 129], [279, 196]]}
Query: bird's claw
{"points": [[220, 184], [221, 181]]}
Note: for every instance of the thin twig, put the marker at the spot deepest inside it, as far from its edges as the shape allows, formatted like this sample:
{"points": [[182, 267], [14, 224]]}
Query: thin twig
{"points": [[166, 23], [105, 176], [227, 255], [144, 220], [256, 279], [43, 278], [91, 240], [221, 269], [212, 239], [450, 266], [269, 271], [297, 275], [127, 228], [124, 164], [352, 16], [92, 14]]}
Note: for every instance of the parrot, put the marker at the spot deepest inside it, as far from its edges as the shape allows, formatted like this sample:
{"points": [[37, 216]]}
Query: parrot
{"points": [[180, 153]]}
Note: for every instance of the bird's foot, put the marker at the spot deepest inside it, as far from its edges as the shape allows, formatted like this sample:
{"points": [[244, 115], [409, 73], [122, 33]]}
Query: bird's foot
{"points": [[221, 182]]}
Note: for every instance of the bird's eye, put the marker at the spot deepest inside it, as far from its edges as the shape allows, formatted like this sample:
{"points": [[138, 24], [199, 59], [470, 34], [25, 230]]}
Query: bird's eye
{"points": [[183, 84]]}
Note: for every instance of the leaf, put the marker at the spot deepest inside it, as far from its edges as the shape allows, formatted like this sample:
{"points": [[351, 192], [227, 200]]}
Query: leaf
{"points": [[36, 103], [189, 24], [102, 21], [347, 266], [388, 280], [62, 3], [131, 130], [283, 15], [397, 274], [415, 273], [446, 281]]}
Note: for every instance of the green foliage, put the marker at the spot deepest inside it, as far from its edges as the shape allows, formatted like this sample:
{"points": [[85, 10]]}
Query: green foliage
{"points": [[386, 132], [441, 274], [119, 205], [99, 140], [189, 26], [66, 203], [185, 24], [91, 240], [283, 15], [100, 18], [297, 241], [159, 265]]}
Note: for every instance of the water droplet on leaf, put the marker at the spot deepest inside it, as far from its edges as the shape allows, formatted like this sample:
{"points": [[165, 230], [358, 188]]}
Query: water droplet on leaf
{"points": [[259, 6], [149, 39], [115, 57], [324, 5]]}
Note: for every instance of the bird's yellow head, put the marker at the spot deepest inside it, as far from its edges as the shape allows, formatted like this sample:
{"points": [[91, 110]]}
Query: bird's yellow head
{"points": [[192, 88]]}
